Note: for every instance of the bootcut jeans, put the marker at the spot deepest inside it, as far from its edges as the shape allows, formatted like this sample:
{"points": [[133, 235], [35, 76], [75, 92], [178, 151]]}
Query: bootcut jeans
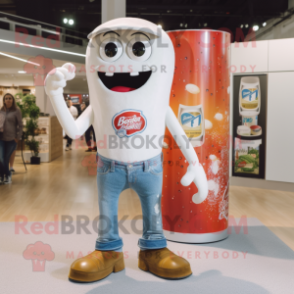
{"points": [[143, 177], [6, 149]]}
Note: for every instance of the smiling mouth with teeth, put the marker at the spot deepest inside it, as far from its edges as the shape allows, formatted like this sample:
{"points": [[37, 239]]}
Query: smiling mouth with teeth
{"points": [[124, 82]]}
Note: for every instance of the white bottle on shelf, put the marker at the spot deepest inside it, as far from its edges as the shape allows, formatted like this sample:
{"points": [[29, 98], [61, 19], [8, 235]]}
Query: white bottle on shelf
{"points": [[249, 98]]}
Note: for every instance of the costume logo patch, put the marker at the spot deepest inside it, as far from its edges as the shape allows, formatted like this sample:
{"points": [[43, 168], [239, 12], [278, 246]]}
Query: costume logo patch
{"points": [[129, 122]]}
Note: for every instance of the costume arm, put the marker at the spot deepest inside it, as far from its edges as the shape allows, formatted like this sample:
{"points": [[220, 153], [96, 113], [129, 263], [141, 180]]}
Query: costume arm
{"points": [[195, 172], [54, 84]]}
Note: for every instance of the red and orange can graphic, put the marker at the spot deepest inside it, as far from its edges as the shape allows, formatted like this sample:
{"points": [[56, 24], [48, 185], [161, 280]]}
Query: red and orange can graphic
{"points": [[200, 99]]}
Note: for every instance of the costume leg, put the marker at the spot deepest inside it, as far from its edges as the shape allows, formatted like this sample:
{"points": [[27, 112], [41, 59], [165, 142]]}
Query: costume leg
{"points": [[154, 256], [148, 186], [107, 257], [111, 182]]}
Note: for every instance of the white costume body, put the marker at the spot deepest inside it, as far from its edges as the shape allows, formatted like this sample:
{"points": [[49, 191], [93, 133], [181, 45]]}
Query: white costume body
{"points": [[151, 100], [154, 114]]}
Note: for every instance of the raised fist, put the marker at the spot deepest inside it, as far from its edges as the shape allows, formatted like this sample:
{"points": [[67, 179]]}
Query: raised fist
{"points": [[57, 77]]}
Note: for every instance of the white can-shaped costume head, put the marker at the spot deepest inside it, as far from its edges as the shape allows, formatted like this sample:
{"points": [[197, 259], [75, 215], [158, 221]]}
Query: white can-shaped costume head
{"points": [[130, 65]]}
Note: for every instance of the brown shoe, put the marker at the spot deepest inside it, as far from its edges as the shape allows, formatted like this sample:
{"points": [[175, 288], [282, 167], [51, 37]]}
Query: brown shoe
{"points": [[164, 263], [96, 266]]}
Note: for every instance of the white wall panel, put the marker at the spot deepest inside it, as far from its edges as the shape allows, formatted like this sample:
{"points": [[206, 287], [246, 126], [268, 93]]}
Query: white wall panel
{"points": [[253, 58], [281, 54], [280, 134]]}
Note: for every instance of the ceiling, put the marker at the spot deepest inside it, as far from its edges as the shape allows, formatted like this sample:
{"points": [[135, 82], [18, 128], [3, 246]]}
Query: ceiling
{"points": [[10, 67], [173, 14]]}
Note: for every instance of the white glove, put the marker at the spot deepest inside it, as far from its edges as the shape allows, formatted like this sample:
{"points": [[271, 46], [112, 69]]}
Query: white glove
{"points": [[195, 173], [57, 77]]}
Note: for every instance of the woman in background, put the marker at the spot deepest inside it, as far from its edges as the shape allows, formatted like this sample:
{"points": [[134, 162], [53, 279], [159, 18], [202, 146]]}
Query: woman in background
{"points": [[10, 132], [11, 162]]}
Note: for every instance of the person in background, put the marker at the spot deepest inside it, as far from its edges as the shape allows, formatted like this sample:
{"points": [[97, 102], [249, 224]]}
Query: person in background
{"points": [[74, 113], [88, 134], [82, 108], [11, 161], [10, 132], [89, 139], [73, 110]]}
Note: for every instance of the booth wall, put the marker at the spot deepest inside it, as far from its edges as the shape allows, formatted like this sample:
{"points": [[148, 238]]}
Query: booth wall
{"points": [[276, 59], [280, 135]]}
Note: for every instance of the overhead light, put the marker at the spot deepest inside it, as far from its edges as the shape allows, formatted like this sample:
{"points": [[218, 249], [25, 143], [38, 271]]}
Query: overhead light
{"points": [[205, 24], [43, 48], [246, 26], [14, 57], [264, 24], [255, 28], [22, 72], [241, 26], [65, 20], [191, 10], [186, 25], [181, 24], [52, 32], [71, 22]]}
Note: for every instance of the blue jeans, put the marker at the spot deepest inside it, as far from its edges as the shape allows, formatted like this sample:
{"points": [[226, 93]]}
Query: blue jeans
{"points": [[143, 177], [6, 149]]}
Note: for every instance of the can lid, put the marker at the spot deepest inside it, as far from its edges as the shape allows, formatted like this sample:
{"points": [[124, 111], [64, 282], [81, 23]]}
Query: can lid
{"points": [[250, 81]]}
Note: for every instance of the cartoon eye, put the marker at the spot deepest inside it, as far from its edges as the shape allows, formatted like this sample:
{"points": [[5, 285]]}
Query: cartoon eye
{"points": [[35, 253], [42, 252], [110, 50], [139, 48]]}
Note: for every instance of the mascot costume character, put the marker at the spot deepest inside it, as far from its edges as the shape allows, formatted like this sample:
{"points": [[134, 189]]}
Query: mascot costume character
{"points": [[129, 67]]}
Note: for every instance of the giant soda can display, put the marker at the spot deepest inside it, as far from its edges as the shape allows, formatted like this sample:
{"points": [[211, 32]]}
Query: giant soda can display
{"points": [[200, 99]]}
